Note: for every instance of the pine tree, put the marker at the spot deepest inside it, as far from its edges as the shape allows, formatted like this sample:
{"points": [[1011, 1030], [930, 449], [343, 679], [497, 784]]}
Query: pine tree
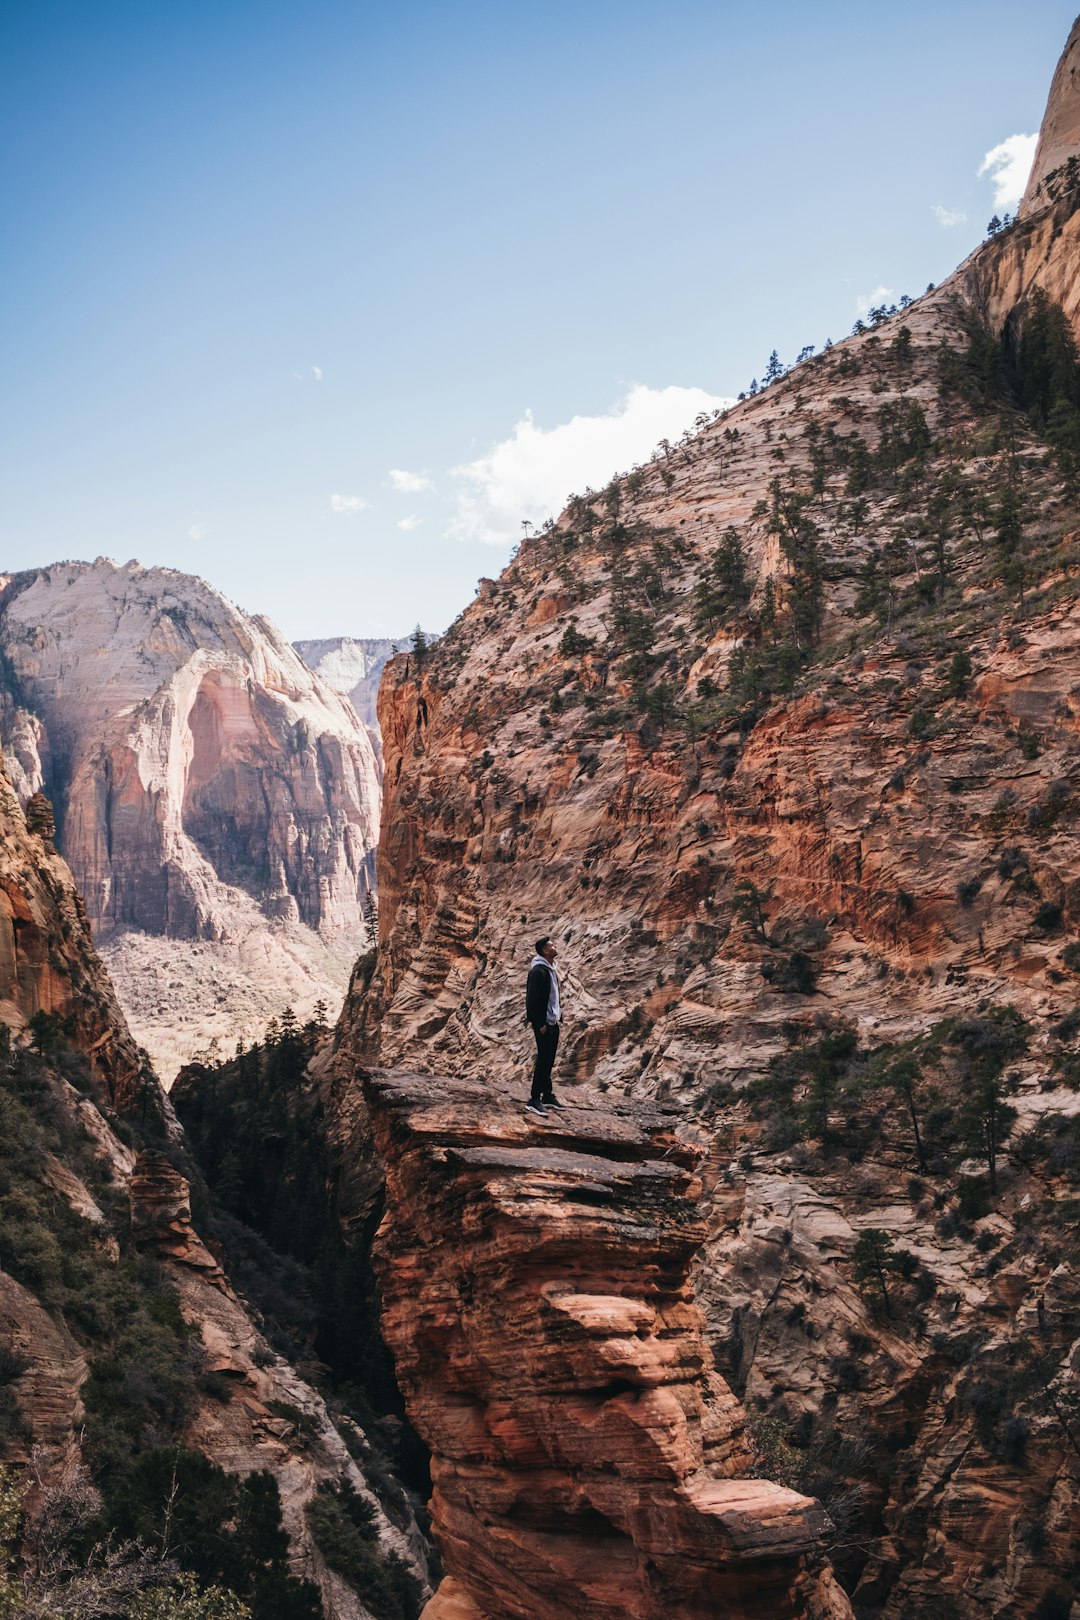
{"points": [[726, 587], [985, 1045], [371, 921], [872, 1257]]}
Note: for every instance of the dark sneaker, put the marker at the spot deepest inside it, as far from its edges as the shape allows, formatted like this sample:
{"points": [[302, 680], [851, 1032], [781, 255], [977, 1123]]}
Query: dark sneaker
{"points": [[536, 1108], [552, 1102]]}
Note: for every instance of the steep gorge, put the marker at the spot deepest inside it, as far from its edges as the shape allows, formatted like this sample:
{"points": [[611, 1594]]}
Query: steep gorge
{"points": [[140, 1396]]}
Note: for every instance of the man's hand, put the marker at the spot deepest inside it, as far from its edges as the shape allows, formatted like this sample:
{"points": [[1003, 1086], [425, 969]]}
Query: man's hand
{"points": [[543, 1029]]}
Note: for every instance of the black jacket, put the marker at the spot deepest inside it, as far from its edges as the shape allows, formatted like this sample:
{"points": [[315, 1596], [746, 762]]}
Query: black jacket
{"points": [[537, 994]]}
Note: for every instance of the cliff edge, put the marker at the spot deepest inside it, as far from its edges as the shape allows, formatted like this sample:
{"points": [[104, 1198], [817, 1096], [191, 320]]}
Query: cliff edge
{"points": [[535, 1297]]}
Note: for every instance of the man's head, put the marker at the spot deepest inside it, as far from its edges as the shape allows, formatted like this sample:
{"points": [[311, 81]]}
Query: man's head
{"points": [[547, 949]]}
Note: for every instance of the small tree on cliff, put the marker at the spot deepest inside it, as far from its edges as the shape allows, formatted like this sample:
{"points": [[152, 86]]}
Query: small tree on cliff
{"points": [[903, 1076], [872, 1258], [749, 903], [419, 646], [985, 1046], [371, 922]]}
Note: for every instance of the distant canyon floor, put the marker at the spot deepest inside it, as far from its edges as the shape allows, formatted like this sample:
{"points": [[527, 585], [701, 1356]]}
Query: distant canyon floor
{"points": [[190, 998]]}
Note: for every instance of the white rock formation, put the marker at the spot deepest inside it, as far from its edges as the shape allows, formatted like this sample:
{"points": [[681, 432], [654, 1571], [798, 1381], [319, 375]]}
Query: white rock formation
{"points": [[207, 786], [353, 668]]}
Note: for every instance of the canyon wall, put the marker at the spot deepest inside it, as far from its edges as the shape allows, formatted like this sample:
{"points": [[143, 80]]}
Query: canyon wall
{"points": [[207, 787], [122, 1339], [48, 967], [800, 808]]}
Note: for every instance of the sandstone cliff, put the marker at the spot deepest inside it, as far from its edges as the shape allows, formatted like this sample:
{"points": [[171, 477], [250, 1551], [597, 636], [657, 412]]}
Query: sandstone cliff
{"points": [[777, 735], [207, 787], [536, 1301], [48, 967], [124, 1348]]}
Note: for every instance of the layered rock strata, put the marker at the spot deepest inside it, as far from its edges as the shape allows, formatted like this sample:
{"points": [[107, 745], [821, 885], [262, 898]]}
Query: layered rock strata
{"points": [[535, 1298], [207, 785], [253, 1412], [48, 965], [736, 864]]}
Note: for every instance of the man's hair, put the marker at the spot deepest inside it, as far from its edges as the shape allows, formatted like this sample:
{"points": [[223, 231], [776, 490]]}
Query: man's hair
{"points": [[541, 943]]}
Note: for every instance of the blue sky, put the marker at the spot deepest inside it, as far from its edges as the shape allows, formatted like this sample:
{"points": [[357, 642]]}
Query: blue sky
{"points": [[296, 296]]}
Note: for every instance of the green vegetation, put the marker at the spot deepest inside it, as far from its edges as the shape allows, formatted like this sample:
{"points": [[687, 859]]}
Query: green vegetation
{"points": [[873, 1258], [258, 1131], [1043, 370], [145, 1364], [944, 1094], [725, 587], [343, 1526]]}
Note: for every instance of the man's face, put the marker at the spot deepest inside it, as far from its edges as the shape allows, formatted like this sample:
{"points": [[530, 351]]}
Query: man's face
{"points": [[549, 952]]}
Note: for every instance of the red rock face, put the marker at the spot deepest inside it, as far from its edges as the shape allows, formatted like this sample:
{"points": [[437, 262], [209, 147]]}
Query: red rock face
{"points": [[47, 959], [912, 837], [546, 1338]]}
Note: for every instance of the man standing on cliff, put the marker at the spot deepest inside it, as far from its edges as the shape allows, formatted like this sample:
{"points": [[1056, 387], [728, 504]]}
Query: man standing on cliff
{"points": [[543, 1012]]}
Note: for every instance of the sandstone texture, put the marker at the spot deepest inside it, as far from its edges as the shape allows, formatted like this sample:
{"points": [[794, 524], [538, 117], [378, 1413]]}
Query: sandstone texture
{"points": [[536, 1300], [74, 1215], [48, 964], [1059, 136], [879, 845], [207, 786]]}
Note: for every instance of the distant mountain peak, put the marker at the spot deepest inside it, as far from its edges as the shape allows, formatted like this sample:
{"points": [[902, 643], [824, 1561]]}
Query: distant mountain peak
{"points": [[1059, 136]]}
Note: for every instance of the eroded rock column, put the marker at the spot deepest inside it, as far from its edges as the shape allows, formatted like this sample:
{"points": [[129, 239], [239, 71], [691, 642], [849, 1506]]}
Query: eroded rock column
{"points": [[585, 1457]]}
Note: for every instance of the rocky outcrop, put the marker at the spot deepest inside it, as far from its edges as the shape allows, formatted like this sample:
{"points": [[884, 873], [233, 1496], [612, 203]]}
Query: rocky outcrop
{"points": [[535, 1298], [159, 1198], [48, 965], [207, 787], [749, 835]]}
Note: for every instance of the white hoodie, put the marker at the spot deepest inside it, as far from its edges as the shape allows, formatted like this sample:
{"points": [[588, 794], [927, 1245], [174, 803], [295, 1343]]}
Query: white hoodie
{"points": [[554, 1011]]}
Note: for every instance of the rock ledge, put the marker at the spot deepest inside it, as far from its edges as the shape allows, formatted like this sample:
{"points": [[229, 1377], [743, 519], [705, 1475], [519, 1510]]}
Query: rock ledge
{"points": [[536, 1301]]}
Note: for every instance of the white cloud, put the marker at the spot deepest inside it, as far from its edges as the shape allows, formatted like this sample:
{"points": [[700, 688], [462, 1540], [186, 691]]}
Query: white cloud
{"points": [[409, 483], [348, 503], [316, 372], [1008, 166], [949, 216], [409, 523], [197, 531], [533, 473], [868, 301]]}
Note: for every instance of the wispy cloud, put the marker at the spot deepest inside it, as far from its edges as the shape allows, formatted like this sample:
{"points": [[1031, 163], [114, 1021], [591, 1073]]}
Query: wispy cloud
{"points": [[1008, 166], [348, 503], [533, 472], [316, 372], [410, 523], [949, 216], [409, 483], [197, 531], [868, 301]]}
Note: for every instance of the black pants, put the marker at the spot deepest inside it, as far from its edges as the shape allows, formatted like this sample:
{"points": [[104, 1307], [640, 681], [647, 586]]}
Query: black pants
{"points": [[547, 1044]]}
